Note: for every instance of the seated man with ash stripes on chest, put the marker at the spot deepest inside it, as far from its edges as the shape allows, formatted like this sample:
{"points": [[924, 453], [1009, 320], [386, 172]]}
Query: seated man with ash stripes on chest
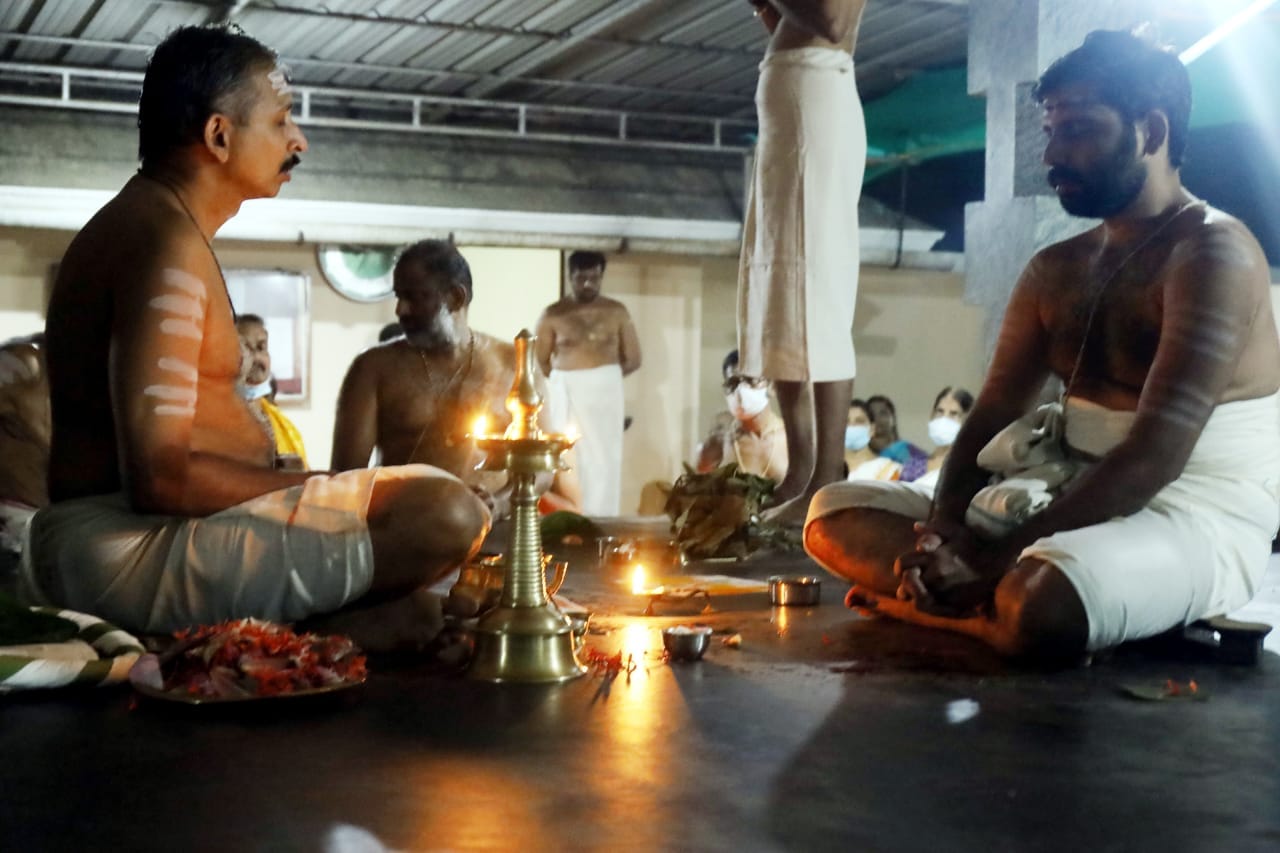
{"points": [[1158, 321], [167, 509]]}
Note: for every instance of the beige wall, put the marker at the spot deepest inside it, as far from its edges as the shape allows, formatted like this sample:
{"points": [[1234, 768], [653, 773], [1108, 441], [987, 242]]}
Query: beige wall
{"points": [[913, 333]]}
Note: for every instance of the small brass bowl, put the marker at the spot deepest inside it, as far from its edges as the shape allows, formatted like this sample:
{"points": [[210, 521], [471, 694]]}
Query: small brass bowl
{"points": [[686, 642], [794, 590]]}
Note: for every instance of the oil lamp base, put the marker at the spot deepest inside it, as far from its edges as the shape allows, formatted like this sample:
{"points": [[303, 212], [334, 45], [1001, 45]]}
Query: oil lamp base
{"points": [[525, 644]]}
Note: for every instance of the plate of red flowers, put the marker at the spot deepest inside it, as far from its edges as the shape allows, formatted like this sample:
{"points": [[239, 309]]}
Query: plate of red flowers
{"points": [[248, 659]]}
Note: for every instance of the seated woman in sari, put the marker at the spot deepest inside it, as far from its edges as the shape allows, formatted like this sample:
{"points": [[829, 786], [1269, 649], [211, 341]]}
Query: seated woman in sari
{"points": [[861, 460]]}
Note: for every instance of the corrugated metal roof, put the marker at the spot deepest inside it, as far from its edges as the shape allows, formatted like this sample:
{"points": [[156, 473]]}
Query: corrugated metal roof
{"points": [[684, 57]]}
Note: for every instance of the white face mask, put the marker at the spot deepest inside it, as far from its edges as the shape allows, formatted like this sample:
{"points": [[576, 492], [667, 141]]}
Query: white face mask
{"points": [[747, 402], [857, 437], [254, 392], [943, 431]]}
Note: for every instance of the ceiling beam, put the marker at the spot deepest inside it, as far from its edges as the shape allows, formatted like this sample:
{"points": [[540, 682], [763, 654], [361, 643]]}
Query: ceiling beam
{"points": [[397, 20], [545, 54], [425, 22]]}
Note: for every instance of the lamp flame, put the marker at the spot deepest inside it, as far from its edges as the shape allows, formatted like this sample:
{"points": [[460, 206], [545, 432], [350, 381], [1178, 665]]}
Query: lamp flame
{"points": [[480, 428], [637, 580], [571, 432]]}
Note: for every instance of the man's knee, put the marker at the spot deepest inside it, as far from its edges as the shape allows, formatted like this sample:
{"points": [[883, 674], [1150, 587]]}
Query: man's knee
{"points": [[1041, 614], [860, 545], [436, 514]]}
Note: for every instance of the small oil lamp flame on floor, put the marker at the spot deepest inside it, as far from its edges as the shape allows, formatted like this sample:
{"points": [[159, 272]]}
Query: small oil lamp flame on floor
{"points": [[525, 638]]}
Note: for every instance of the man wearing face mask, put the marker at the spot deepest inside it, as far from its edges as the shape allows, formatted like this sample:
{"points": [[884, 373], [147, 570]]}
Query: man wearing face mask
{"points": [[417, 397], [755, 439], [256, 387]]}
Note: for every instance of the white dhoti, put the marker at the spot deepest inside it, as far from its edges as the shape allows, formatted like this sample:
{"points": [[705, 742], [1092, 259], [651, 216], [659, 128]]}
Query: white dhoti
{"points": [[798, 274], [591, 402], [282, 556], [1199, 548]]}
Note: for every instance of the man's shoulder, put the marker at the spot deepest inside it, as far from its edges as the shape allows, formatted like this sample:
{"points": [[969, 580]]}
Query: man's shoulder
{"points": [[1219, 229], [562, 306], [380, 357], [493, 342], [494, 348], [613, 305], [127, 234]]}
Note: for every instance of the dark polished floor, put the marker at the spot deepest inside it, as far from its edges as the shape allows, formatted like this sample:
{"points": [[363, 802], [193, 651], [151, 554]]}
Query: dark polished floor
{"points": [[821, 731]]}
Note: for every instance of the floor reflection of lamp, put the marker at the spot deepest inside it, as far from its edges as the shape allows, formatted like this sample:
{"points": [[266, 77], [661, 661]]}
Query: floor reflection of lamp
{"points": [[526, 637]]}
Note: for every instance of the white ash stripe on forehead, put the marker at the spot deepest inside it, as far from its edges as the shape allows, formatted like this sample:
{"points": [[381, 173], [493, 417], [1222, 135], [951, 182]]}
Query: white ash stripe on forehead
{"points": [[183, 280], [181, 328], [178, 366], [279, 78], [183, 306]]}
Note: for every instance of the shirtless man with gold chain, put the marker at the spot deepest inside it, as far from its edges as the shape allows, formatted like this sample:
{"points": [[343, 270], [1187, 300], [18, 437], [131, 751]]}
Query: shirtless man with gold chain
{"points": [[1159, 323], [167, 508], [586, 345], [416, 398]]}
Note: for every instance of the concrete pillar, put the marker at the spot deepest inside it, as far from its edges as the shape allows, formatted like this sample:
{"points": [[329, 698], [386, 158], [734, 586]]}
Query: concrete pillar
{"points": [[1010, 43]]}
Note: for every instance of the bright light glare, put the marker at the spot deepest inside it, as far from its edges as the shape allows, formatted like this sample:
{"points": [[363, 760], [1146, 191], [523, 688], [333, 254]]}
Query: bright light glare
{"points": [[481, 426], [1223, 30], [637, 580]]}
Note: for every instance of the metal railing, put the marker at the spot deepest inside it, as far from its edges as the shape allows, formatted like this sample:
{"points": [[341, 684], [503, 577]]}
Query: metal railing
{"points": [[78, 88]]}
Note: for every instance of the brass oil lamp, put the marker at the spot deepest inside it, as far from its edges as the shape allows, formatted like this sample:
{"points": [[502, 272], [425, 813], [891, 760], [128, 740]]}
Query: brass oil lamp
{"points": [[525, 638]]}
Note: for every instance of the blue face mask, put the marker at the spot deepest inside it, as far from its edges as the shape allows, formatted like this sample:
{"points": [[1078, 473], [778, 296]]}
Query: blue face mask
{"points": [[857, 437]]}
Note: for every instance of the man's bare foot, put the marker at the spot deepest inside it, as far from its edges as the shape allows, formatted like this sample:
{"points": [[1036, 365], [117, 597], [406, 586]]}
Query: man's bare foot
{"points": [[783, 493], [870, 603], [406, 624]]}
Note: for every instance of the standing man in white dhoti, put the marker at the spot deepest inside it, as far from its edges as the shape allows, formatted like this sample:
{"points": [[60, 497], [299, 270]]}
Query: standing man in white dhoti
{"points": [[798, 278], [586, 343], [1159, 322]]}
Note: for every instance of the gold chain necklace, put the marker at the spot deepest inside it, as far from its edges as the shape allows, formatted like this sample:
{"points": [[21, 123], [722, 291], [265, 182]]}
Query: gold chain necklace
{"points": [[1097, 298], [456, 383], [195, 224]]}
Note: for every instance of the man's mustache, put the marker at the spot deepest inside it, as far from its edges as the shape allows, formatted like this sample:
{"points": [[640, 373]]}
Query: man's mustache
{"points": [[1059, 174], [293, 160]]}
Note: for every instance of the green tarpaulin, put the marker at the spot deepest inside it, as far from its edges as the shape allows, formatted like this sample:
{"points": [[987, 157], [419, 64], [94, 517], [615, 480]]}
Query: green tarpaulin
{"points": [[933, 115]]}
